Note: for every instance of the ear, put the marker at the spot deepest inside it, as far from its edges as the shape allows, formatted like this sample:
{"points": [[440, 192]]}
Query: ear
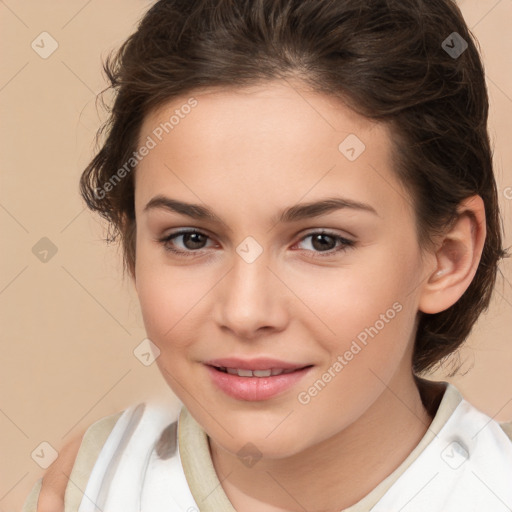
{"points": [[457, 258]]}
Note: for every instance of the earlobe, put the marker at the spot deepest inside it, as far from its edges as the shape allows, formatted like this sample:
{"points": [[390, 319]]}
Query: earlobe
{"points": [[457, 258]]}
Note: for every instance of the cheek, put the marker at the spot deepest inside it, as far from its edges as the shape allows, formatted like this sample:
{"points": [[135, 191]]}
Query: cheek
{"points": [[370, 346], [164, 305], [365, 314], [344, 301], [160, 296], [171, 299]]}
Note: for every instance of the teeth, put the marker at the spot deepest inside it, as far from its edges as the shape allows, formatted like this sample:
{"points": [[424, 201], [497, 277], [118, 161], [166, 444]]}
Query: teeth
{"points": [[262, 373], [255, 373]]}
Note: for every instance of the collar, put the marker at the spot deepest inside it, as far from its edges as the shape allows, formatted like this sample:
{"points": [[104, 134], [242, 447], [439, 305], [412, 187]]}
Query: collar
{"points": [[202, 478]]}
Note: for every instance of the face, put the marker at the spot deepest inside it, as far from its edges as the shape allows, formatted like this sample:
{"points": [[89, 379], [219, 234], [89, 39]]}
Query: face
{"points": [[329, 292]]}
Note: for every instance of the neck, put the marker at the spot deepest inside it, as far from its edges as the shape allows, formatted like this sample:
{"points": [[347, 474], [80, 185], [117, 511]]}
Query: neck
{"points": [[381, 439]]}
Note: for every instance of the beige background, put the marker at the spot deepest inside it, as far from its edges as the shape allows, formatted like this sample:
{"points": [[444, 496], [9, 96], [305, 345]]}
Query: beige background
{"points": [[70, 325]]}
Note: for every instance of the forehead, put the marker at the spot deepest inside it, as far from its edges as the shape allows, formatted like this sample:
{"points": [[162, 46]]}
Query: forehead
{"points": [[278, 133], [259, 111]]}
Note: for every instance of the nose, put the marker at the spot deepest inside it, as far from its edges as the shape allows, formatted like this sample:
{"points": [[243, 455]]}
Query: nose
{"points": [[251, 300]]}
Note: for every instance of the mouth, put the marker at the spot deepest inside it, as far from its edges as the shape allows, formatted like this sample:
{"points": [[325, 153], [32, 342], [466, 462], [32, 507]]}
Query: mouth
{"points": [[269, 372], [257, 379]]}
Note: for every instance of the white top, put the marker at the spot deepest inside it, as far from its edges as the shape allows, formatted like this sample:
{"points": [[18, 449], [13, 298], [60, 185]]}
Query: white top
{"points": [[154, 461]]}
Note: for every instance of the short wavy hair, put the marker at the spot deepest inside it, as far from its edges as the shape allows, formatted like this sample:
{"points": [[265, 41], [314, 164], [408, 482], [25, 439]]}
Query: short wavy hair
{"points": [[396, 61]]}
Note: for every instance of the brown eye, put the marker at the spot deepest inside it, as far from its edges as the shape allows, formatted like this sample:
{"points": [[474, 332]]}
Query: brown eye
{"points": [[196, 240], [324, 244], [192, 241]]}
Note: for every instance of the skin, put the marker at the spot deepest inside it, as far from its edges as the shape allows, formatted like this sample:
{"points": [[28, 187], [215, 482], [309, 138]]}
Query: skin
{"points": [[247, 155], [55, 480]]}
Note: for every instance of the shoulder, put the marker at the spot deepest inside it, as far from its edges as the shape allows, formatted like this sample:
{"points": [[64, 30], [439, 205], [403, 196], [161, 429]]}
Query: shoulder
{"points": [[471, 418], [75, 462], [90, 448]]}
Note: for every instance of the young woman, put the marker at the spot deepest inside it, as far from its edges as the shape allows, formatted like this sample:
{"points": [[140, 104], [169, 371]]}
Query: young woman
{"points": [[305, 197]]}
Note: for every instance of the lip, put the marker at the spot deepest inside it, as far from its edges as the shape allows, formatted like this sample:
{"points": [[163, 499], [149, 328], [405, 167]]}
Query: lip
{"points": [[255, 388]]}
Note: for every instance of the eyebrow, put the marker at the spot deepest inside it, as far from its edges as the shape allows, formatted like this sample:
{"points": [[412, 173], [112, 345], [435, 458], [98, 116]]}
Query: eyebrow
{"points": [[292, 214]]}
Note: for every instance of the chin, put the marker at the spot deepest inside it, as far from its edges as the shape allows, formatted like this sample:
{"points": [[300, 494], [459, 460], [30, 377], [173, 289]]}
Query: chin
{"points": [[254, 440]]}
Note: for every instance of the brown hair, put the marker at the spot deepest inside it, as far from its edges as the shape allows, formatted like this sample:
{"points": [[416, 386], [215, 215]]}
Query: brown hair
{"points": [[385, 59]]}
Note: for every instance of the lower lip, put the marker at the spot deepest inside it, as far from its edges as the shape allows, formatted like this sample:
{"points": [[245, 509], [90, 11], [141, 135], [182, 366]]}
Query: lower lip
{"points": [[255, 388]]}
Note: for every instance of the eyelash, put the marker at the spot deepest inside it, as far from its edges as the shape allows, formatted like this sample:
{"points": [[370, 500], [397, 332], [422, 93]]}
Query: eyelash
{"points": [[345, 243]]}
